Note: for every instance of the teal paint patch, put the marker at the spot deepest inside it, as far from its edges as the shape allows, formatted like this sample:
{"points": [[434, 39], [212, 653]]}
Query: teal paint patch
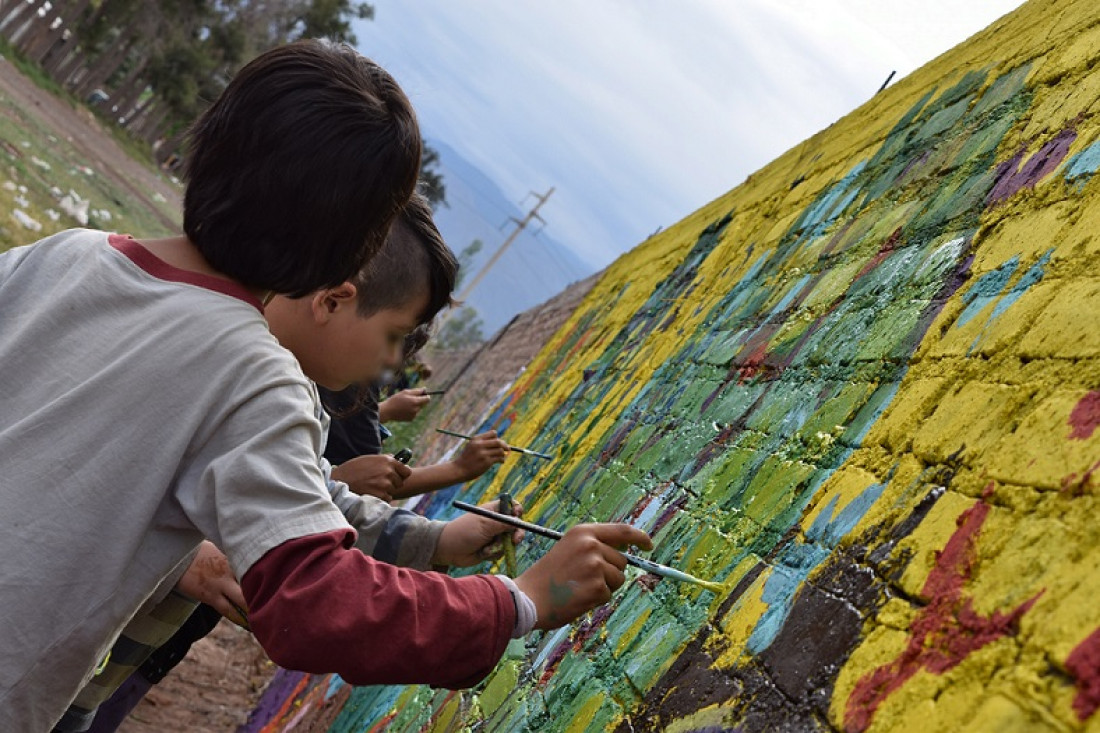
{"points": [[1083, 164], [987, 289], [1033, 275]]}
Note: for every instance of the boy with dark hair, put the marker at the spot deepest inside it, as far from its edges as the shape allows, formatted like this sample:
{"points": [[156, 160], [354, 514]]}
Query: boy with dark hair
{"points": [[355, 443], [147, 369]]}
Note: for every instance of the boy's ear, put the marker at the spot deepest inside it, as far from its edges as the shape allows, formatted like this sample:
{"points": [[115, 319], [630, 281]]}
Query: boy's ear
{"points": [[327, 302]]}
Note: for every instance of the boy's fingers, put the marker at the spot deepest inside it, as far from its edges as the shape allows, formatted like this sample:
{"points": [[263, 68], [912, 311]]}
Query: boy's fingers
{"points": [[236, 596], [613, 557], [621, 535], [613, 576], [493, 550], [401, 469]]}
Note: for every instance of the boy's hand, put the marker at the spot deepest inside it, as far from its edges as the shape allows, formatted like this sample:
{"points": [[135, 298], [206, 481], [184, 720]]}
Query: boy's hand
{"points": [[403, 406], [377, 476], [209, 580], [580, 571], [479, 455], [470, 539]]}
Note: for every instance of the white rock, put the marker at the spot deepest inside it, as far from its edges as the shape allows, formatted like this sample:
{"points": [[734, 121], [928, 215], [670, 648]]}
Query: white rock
{"points": [[75, 207], [28, 223]]}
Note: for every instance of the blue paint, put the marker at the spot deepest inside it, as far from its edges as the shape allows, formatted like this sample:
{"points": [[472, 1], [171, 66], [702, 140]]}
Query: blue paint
{"points": [[798, 560], [334, 684], [1034, 274], [1084, 164], [790, 295], [986, 290], [817, 216]]}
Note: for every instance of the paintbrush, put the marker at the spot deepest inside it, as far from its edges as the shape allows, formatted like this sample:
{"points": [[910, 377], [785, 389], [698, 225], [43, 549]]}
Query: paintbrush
{"points": [[506, 507], [639, 562], [517, 449]]}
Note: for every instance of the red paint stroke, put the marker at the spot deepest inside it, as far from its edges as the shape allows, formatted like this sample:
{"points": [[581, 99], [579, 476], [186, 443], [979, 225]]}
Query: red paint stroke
{"points": [[887, 248], [945, 631], [1085, 417], [1084, 664], [1076, 486], [750, 366]]}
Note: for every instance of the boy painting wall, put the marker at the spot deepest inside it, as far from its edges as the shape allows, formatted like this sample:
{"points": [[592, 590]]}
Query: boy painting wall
{"points": [[145, 370]]}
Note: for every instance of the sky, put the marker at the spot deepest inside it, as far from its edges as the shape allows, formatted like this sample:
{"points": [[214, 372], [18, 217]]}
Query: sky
{"points": [[639, 112]]}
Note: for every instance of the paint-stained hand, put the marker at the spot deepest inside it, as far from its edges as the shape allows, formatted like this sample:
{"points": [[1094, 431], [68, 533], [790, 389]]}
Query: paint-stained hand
{"points": [[470, 539], [479, 455], [209, 580], [403, 406], [378, 476], [580, 571]]}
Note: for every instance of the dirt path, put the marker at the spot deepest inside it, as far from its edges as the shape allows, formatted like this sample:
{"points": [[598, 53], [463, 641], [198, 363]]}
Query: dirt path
{"points": [[80, 128]]}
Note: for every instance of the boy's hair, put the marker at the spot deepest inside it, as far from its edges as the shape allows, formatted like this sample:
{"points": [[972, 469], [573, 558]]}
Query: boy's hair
{"points": [[413, 256], [297, 170]]}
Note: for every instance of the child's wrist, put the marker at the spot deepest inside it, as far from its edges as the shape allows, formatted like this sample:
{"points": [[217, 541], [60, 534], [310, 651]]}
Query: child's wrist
{"points": [[526, 613]]}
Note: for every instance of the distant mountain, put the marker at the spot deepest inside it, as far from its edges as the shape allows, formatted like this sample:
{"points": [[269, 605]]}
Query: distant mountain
{"points": [[532, 270]]}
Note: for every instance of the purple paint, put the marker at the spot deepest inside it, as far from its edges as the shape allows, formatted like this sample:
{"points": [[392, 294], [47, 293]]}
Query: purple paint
{"points": [[281, 687], [1011, 177]]}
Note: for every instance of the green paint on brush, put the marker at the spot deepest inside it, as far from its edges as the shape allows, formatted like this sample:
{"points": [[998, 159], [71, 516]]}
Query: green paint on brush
{"points": [[506, 507]]}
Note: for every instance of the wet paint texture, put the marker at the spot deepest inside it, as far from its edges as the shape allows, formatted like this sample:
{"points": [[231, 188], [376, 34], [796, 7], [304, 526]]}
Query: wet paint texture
{"points": [[860, 391]]}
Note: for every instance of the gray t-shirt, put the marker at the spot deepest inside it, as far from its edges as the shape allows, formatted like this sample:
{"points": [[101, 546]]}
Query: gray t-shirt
{"points": [[141, 409]]}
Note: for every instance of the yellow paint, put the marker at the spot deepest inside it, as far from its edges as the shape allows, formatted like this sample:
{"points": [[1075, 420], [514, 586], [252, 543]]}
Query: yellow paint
{"points": [[717, 716], [738, 624], [629, 636]]}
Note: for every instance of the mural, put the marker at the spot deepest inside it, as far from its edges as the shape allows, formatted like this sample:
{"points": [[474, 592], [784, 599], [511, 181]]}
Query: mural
{"points": [[862, 391]]}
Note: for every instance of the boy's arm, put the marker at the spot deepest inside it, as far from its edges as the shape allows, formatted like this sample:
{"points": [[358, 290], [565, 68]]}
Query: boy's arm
{"points": [[318, 605], [403, 406], [386, 533], [480, 454]]}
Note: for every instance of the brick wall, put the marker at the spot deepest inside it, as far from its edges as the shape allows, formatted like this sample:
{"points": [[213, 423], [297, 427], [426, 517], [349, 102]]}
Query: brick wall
{"points": [[862, 390]]}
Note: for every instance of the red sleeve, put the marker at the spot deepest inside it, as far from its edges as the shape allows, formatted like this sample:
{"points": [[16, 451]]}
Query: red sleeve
{"points": [[317, 605]]}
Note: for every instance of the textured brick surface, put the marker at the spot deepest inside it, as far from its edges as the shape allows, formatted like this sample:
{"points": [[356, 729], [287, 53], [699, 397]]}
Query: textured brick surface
{"points": [[862, 390]]}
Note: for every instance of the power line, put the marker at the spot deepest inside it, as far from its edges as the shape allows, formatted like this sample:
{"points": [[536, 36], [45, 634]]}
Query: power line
{"points": [[521, 224]]}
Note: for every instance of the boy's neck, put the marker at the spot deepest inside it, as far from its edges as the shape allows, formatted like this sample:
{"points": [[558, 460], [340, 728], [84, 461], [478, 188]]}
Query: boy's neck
{"points": [[180, 252]]}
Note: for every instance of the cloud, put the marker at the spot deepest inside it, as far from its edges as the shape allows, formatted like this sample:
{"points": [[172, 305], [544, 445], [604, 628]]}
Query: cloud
{"points": [[640, 112]]}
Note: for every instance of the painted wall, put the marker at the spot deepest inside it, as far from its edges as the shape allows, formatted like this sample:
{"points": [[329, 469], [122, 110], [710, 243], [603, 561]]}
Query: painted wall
{"points": [[863, 391]]}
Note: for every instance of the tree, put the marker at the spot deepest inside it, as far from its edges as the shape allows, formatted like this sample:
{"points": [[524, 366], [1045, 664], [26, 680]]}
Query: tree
{"points": [[431, 180], [460, 331], [466, 260]]}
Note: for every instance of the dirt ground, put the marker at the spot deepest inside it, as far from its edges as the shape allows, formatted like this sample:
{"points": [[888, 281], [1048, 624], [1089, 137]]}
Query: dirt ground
{"points": [[80, 128], [211, 691], [215, 687]]}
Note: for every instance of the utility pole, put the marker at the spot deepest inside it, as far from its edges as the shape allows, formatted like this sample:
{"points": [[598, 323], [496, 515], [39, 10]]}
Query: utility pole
{"points": [[521, 224]]}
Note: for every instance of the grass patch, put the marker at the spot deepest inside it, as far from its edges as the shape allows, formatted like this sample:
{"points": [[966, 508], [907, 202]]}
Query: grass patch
{"points": [[37, 170]]}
